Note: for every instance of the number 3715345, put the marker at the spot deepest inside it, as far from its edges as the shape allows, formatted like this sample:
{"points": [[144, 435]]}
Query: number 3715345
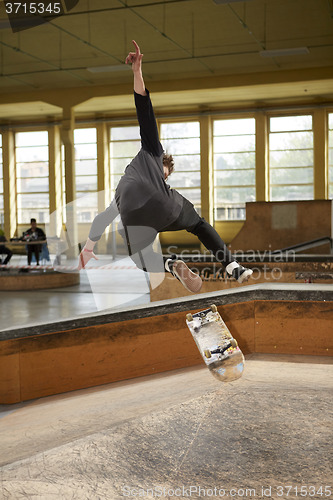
{"points": [[33, 7]]}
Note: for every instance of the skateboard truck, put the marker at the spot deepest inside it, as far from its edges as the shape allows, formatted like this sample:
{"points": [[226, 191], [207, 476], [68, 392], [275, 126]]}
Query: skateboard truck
{"points": [[221, 349]]}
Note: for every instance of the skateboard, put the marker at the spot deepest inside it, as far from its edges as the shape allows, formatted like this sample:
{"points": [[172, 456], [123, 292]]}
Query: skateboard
{"points": [[217, 346]]}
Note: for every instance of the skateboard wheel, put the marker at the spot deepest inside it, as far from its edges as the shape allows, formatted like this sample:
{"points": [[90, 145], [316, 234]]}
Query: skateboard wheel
{"points": [[207, 353], [189, 317], [213, 308], [234, 342]]}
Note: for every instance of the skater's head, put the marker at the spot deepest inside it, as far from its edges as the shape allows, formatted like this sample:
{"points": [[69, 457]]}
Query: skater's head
{"points": [[168, 165]]}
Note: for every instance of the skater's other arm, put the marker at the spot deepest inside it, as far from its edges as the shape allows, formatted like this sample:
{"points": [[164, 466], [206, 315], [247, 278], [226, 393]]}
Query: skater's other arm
{"points": [[98, 227], [144, 109]]}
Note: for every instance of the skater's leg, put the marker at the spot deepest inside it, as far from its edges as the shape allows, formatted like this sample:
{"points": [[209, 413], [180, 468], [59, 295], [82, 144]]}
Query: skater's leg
{"points": [[212, 241], [190, 220]]}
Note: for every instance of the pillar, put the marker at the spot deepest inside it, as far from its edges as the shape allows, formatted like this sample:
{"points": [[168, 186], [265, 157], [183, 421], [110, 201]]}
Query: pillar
{"points": [[262, 173], [320, 154], [9, 184], [67, 137]]}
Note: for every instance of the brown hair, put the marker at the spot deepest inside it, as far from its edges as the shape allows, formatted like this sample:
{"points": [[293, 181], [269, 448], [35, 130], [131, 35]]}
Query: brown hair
{"points": [[168, 162]]}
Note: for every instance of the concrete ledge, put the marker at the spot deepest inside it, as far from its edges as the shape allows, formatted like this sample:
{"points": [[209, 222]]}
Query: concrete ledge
{"points": [[267, 291], [37, 280], [48, 359]]}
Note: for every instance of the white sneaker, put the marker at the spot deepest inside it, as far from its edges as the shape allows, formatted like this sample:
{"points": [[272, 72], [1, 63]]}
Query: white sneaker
{"points": [[241, 274]]}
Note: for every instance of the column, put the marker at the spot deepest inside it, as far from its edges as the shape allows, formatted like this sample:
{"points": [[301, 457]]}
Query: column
{"points": [[320, 159], [67, 137], [103, 178], [207, 174], [262, 173], [55, 180], [9, 184]]}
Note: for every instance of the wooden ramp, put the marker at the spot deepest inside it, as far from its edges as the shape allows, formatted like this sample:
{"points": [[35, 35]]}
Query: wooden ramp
{"points": [[276, 225]]}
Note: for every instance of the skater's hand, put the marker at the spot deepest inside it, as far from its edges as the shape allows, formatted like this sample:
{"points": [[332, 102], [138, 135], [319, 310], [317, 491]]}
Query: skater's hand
{"points": [[85, 257], [135, 58]]}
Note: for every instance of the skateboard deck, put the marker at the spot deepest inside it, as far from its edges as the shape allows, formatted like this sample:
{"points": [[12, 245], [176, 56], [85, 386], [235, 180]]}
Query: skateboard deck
{"points": [[217, 346]]}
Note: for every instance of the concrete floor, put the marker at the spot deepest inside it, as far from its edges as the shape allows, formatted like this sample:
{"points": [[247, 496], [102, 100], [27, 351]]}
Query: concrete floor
{"points": [[181, 434]]}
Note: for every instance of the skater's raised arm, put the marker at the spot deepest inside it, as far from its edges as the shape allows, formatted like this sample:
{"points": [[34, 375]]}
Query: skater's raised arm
{"points": [[135, 58], [144, 109]]}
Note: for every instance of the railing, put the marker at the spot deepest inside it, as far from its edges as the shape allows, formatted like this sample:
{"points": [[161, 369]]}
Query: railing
{"points": [[308, 244]]}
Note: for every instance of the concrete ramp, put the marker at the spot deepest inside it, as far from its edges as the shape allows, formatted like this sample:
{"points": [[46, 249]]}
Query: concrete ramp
{"points": [[177, 435]]}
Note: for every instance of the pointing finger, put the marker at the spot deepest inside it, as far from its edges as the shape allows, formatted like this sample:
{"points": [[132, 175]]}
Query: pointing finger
{"points": [[137, 48]]}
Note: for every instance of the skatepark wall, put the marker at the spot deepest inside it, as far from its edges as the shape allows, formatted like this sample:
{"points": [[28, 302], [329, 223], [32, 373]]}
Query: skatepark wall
{"points": [[43, 360]]}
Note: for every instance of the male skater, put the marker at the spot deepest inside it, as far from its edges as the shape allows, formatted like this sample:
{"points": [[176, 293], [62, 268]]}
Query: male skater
{"points": [[148, 206]]}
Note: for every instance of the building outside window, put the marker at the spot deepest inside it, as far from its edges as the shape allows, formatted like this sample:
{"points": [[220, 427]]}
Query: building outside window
{"points": [[32, 176], [125, 143], [182, 141], [85, 144], [291, 158], [330, 156], [234, 167]]}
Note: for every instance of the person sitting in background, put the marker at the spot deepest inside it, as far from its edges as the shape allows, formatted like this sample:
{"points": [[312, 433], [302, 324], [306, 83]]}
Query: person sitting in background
{"points": [[4, 250], [30, 236]]}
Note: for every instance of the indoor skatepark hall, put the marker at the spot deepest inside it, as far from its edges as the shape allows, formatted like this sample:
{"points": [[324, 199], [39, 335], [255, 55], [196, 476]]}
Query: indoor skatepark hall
{"points": [[103, 393]]}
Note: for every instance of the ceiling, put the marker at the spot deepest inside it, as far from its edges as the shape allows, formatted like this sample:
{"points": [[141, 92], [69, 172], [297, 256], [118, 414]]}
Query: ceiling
{"points": [[196, 52]]}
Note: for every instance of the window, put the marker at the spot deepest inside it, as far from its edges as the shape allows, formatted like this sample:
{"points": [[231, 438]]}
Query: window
{"points": [[291, 158], [182, 141], [330, 156], [32, 175], [234, 167], [1, 186], [125, 143], [85, 144]]}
